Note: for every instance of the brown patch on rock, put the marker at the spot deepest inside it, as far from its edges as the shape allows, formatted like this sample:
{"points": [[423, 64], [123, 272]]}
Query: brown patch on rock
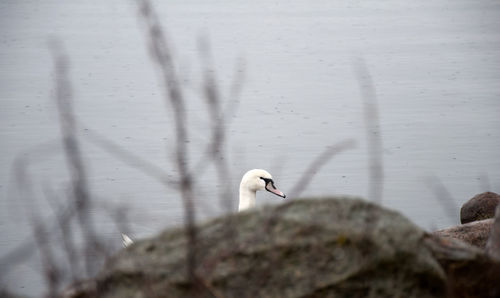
{"points": [[474, 233], [470, 272], [481, 206]]}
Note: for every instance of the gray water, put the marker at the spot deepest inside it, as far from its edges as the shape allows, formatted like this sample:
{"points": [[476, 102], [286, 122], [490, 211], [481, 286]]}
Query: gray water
{"points": [[435, 66]]}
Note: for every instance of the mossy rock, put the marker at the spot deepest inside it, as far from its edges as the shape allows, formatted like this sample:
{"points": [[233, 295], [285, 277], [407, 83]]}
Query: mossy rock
{"points": [[329, 247]]}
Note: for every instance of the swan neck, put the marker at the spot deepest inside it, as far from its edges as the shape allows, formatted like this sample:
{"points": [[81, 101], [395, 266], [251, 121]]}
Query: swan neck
{"points": [[247, 199]]}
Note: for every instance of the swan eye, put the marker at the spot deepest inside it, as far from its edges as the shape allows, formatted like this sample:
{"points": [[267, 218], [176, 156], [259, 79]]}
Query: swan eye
{"points": [[267, 180]]}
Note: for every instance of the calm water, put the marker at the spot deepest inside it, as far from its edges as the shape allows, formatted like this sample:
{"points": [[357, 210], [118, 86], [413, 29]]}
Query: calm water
{"points": [[435, 66]]}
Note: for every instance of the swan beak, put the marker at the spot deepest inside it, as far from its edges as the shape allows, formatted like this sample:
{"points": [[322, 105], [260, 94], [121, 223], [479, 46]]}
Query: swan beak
{"points": [[271, 188]]}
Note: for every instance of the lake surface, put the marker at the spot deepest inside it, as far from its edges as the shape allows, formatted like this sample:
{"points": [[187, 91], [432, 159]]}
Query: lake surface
{"points": [[435, 66]]}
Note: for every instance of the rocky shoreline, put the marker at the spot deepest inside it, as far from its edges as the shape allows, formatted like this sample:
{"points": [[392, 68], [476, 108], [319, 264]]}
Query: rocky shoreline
{"points": [[477, 218], [328, 247]]}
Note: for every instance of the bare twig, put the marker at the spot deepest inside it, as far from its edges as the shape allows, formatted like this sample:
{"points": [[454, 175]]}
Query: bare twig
{"points": [[63, 216], [161, 54], [28, 246], [67, 237], [220, 119], [319, 162], [215, 151], [216, 147], [77, 170], [51, 271], [373, 132], [28, 158], [443, 196], [130, 158], [40, 233]]}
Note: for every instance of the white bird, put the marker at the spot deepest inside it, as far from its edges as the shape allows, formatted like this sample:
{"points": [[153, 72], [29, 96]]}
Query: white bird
{"points": [[253, 181]]}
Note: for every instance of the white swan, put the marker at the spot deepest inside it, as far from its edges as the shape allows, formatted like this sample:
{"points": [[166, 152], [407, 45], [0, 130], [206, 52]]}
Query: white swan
{"points": [[253, 181]]}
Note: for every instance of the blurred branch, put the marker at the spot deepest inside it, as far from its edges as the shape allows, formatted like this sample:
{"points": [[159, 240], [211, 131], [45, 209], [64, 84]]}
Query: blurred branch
{"points": [[319, 162], [373, 133], [162, 57], [29, 157], [215, 149], [40, 234], [28, 246], [63, 215], [75, 163], [443, 196], [220, 118], [51, 272], [67, 238], [130, 158]]}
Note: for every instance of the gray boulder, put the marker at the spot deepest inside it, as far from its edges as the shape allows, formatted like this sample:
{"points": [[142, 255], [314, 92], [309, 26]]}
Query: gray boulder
{"points": [[306, 248], [481, 206]]}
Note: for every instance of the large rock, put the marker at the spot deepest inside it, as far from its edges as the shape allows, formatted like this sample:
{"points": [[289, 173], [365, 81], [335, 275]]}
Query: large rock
{"points": [[475, 233], [481, 206], [305, 248]]}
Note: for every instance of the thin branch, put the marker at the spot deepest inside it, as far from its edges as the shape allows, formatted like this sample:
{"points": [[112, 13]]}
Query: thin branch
{"points": [[161, 54], [220, 117], [130, 158], [216, 148], [27, 248], [51, 271], [68, 242], [320, 161], [443, 196], [40, 234], [373, 133], [30, 157], [75, 163]]}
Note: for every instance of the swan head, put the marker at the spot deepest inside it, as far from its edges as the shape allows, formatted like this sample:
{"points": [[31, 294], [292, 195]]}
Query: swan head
{"points": [[257, 179]]}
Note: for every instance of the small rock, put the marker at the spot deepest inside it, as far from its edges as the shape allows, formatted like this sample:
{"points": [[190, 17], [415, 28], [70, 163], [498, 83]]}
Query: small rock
{"points": [[474, 233], [480, 207]]}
